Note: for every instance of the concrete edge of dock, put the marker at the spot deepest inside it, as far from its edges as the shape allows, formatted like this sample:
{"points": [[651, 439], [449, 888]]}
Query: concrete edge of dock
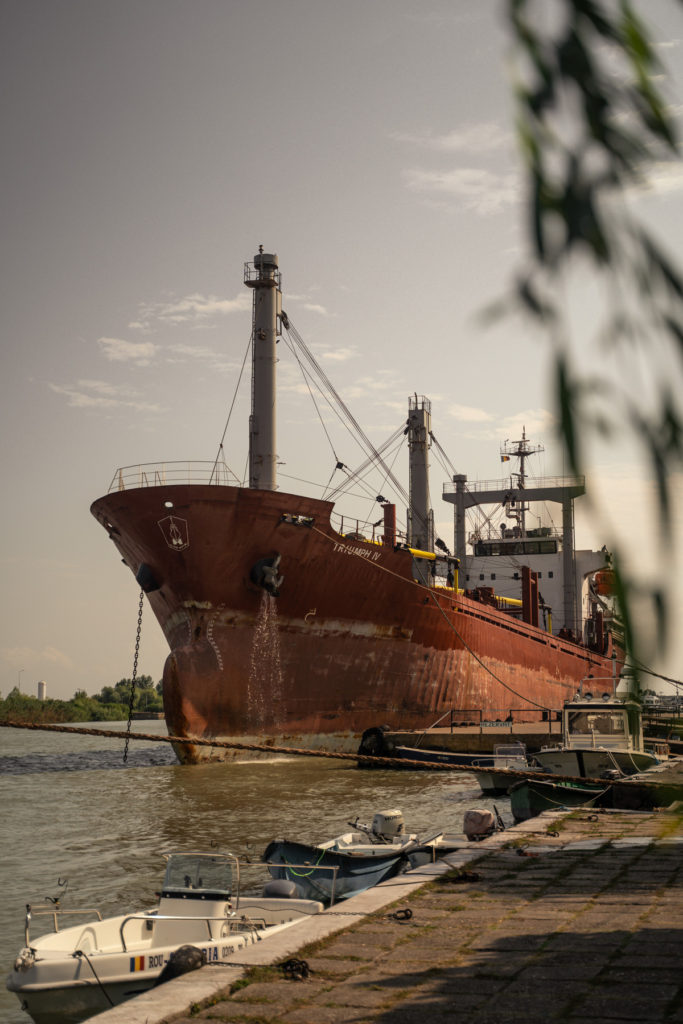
{"points": [[175, 998]]}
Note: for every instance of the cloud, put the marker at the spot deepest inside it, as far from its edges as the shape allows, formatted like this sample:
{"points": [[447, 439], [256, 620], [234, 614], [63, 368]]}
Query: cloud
{"points": [[28, 658], [486, 137], [195, 310], [98, 394], [340, 355], [477, 189], [314, 307], [538, 424], [469, 414], [117, 350]]}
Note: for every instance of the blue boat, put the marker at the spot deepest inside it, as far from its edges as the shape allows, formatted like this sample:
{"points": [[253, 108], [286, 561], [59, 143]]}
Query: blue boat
{"points": [[355, 861]]}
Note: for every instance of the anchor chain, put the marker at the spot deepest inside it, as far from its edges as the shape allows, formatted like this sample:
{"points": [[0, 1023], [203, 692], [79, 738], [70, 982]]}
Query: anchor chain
{"points": [[135, 672]]}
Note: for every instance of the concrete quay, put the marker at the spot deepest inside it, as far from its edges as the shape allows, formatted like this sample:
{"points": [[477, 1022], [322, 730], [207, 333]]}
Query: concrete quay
{"points": [[572, 916]]}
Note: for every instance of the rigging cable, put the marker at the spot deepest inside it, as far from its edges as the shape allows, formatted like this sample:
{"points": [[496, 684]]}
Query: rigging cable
{"points": [[396, 453], [232, 405], [370, 462], [315, 404], [318, 370], [657, 675]]}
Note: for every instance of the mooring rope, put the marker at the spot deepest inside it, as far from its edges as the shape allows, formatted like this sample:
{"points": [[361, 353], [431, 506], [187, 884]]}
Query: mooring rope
{"points": [[266, 748]]}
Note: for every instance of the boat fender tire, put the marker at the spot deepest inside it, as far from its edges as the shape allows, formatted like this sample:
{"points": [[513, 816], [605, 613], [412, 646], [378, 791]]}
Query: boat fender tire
{"points": [[373, 743], [182, 961], [146, 579]]}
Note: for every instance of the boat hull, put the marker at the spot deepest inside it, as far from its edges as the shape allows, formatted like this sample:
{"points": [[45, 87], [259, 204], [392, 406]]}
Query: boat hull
{"points": [[71, 1005], [532, 797], [594, 763], [354, 873], [351, 638]]}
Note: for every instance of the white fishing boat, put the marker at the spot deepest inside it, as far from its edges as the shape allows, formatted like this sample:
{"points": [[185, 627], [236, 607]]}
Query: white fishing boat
{"points": [[72, 973], [601, 738]]}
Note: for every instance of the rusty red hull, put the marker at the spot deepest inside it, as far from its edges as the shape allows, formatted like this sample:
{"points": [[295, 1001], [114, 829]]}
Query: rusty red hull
{"points": [[351, 641]]}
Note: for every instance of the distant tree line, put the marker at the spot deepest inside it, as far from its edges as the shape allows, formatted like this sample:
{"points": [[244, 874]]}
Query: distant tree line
{"points": [[111, 704]]}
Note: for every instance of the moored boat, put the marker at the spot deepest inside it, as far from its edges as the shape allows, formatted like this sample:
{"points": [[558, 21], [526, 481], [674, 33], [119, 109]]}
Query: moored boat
{"points": [[530, 797], [68, 975], [376, 743], [600, 738], [286, 620], [350, 863]]}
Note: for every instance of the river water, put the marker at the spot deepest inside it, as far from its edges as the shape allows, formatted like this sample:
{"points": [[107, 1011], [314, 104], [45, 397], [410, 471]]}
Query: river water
{"points": [[71, 809]]}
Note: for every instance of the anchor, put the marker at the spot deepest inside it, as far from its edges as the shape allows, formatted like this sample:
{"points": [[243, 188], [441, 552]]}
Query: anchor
{"points": [[264, 573]]}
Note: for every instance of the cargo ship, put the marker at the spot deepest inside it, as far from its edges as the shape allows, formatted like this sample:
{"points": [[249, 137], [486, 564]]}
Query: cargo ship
{"points": [[290, 623]]}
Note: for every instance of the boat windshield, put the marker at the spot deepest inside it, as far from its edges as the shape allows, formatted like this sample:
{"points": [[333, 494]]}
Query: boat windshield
{"points": [[604, 723], [199, 872]]}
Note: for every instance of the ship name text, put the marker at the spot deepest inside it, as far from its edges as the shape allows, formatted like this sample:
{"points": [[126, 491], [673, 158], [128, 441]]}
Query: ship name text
{"points": [[361, 552]]}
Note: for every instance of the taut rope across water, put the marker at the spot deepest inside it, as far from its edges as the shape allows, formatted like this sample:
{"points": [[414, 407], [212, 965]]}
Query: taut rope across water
{"points": [[386, 762]]}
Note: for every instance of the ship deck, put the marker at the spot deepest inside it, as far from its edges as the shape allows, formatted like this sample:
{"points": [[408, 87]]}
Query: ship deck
{"points": [[471, 739]]}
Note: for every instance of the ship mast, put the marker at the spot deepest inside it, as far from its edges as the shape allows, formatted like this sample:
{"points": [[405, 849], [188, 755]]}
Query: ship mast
{"points": [[520, 450], [263, 277], [420, 515]]}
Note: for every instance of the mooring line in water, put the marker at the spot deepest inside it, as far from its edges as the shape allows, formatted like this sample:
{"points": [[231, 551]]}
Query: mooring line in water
{"points": [[367, 759]]}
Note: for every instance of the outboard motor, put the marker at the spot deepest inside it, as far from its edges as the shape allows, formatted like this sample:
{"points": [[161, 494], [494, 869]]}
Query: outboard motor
{"points": [[478, 825], [387, 825], [264, 573]]}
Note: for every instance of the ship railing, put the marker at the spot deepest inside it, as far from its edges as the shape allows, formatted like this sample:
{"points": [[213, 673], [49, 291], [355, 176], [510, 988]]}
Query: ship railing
{"points": [[164, 474], [506, 719], [531, 484], [358, 529], [513, 534], [56, 913]]}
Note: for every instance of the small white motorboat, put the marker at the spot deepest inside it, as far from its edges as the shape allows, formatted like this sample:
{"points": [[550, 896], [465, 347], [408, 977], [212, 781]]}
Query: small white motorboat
{"points": [[72, 973]]}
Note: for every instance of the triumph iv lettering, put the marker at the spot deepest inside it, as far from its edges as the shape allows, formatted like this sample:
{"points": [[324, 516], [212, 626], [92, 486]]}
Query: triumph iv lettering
{"points": [[361, 552]]}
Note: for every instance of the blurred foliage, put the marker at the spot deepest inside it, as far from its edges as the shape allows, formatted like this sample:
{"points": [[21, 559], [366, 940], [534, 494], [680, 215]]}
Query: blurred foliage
{"points": [[591, 124], [109, 705]]}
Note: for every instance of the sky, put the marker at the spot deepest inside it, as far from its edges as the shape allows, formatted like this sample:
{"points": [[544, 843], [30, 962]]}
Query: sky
{"points": [[149, 149]]}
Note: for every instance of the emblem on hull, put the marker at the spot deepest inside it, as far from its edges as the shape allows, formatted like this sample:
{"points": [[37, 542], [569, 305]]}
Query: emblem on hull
{"points": [[176, 532]]}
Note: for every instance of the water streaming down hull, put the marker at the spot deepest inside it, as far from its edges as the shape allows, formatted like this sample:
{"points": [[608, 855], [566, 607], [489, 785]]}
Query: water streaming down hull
{"points": [[264, 688], [279, 623]]}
